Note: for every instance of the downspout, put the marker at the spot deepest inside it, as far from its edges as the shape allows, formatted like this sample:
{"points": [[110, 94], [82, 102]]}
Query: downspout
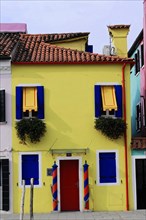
{"points": [[125, 137]]}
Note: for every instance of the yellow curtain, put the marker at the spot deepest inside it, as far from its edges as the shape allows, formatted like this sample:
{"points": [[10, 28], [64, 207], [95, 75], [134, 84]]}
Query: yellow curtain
{"points": [[29, 99], [108, 98]]}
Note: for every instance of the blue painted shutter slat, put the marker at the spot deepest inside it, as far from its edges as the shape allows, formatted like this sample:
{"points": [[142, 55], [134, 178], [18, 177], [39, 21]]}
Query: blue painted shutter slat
{"points": [[30, 168], [118, 91], [98, 101], [40, 97], [107, 165], [19, 102]]}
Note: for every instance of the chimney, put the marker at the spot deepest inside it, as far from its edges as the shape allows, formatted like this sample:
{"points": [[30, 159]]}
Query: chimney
{"points": [[118, 34]]}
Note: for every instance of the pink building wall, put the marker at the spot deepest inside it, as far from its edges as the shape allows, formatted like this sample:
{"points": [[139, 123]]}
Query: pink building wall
{"points": [[143, 69], [13, 27], [144, 37]]}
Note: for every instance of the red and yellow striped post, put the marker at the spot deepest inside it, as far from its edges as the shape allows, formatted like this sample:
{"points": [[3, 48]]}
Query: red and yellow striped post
{"points": [[54, 187], [86, 186]]}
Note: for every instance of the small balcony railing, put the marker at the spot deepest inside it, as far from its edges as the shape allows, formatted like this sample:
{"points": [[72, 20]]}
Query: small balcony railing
{"points": [[138, 143]]}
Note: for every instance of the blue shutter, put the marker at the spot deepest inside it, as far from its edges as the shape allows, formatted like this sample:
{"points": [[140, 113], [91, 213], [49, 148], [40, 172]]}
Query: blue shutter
{"points": [[118, 90], [98, 101], [40, 97], [19, 101], [89, 48], [107, 167], [30, 169]]}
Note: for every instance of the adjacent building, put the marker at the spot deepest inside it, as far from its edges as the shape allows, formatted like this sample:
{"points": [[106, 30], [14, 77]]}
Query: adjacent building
{"points": [[138, 117], [9, 35]]}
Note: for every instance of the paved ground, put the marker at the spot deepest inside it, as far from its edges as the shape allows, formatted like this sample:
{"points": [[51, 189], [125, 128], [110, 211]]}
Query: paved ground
{"points": [[128, 215]]}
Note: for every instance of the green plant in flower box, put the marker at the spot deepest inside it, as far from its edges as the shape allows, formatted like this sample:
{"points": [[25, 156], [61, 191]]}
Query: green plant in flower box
{"points": [[32, 129], [113, 128]]}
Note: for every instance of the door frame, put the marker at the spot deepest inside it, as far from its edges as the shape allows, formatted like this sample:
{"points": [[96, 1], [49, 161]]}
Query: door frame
{"points": [[80, 172], [134, 177]]}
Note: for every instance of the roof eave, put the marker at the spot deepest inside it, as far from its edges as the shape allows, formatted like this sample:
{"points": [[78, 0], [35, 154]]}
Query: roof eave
{"points": [[135, 44], [4, 57], [74, 63]]}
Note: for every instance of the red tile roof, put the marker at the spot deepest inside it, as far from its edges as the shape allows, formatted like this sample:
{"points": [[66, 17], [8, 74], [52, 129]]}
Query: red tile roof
{"points": [[8, 42], [48, 38], [44, 52], [36, 48]]}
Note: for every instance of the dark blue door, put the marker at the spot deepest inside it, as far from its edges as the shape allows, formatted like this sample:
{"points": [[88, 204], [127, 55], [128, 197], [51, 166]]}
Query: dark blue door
{"points": [[30, 168]]}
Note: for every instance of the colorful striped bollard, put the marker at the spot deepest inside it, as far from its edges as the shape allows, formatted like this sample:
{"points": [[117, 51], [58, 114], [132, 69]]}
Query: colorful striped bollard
{"points": [[54, 187], [86, 186]]}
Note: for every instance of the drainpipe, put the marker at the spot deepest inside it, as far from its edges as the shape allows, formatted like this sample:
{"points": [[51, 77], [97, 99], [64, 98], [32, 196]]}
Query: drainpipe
{"points": [[125, 137]]}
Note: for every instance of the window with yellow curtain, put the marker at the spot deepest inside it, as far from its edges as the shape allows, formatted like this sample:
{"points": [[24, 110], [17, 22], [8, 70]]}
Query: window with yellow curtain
{"points": [[29, 101], [108, 100]]}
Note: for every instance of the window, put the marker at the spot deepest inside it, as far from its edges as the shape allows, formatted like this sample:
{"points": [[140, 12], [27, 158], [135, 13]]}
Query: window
{"points": [[107, 168], [142, 55], [138, 117], [29, 101], [89, 48], [108, 100], [4, 185], [30, 168], [2, 106], [137, 62]]}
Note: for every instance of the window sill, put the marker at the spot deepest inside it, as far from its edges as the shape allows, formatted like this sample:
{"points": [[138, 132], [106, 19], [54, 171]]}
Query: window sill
{"points": [[3, 123], [107, 184], [107, 116]]}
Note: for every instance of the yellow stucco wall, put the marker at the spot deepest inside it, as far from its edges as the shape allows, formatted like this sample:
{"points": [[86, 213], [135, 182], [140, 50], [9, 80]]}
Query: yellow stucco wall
{"points": [[69, 116], [78, 44], [118, 38]]}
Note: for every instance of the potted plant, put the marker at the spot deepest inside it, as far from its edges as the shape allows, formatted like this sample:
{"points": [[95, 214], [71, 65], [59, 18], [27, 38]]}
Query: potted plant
{"points": [[113, 128], [32, 129]]}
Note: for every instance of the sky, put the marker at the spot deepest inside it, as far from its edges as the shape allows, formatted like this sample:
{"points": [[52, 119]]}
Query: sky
{"points": [[62, 16]]}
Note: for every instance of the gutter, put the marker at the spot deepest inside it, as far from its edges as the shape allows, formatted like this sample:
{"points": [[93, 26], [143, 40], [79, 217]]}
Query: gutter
{"points": [[125, 137], [74, 63]]}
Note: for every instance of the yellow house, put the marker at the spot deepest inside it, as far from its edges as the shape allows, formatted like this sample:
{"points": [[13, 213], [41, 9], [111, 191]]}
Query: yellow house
{"points": [[75, 167]]}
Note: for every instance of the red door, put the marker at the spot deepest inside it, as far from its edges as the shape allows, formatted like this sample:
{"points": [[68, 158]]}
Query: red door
{"points": [[69, 185]]}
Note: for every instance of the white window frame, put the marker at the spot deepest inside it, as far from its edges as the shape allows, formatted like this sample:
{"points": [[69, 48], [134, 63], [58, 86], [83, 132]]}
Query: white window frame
{"points": [[24, 86], [106, 115], [134, 157], [20, 168], [98, 170]]}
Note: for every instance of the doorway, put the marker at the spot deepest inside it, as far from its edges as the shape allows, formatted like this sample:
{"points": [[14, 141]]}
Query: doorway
{"points": [[140, 167], [69, 185]]}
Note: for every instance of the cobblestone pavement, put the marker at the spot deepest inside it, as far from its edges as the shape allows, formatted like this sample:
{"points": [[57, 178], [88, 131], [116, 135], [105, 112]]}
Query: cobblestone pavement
{"points": [[123, 215]]}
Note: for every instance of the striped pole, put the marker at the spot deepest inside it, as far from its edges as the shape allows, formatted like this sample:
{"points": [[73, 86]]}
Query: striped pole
{"points": [[54, 187], [86, 186]]}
